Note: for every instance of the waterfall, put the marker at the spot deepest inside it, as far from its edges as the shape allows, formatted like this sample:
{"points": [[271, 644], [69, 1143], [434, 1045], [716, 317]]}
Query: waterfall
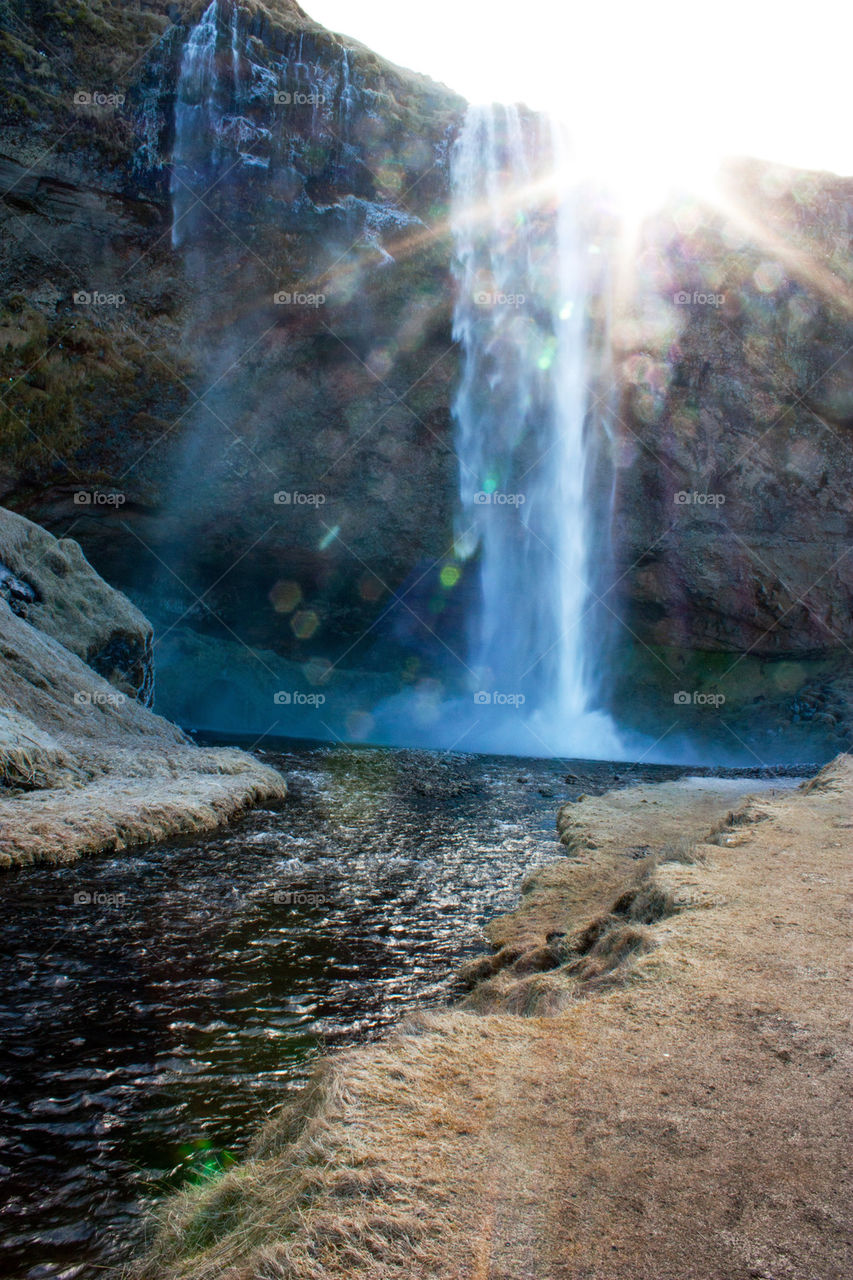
{"points": [[205, 96], [521, 417], [232, 113], [522, 410]]}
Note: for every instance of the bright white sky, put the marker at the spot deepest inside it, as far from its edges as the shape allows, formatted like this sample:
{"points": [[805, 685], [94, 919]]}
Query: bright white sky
{"points": [[655, 89]]}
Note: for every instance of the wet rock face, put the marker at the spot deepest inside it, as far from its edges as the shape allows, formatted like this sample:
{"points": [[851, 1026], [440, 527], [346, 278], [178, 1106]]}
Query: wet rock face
{"points": [[736, 434], [127, 658], [17, 593]]}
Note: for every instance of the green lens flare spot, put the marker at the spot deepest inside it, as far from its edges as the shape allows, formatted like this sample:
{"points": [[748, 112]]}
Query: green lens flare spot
{"points": [[548, 356], [449, 576]]}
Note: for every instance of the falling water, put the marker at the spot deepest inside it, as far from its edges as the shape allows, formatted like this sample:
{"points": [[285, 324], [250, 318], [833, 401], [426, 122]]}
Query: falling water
{"points": [[521, 416], [232, 112], [204, 97], [346, 98], [522, 411]]}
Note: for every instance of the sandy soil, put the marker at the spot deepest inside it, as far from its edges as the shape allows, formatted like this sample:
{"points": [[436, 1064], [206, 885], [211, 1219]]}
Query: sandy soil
{"points": [[682, 1114]]}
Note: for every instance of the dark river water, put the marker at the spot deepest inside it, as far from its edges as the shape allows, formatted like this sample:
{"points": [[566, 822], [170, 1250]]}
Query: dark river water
{"points": [[156, 1006]]}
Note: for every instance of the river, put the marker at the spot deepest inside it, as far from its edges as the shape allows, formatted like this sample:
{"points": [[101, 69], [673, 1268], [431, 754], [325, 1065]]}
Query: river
{"points": [[157, 1005]]}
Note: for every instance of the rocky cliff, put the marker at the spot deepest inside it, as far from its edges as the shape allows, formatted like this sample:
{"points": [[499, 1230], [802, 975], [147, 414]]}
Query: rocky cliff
{"points": [[734, 460], [736, 439], [257, 414]]}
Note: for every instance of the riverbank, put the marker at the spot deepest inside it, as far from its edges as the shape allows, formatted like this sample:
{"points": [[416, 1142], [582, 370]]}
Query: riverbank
{"points": [[686, 1064], [85, 765]]}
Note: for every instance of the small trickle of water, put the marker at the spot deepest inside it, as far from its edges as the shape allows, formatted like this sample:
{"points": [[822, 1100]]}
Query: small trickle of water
{"points": [[346, 97], [198, 115]]}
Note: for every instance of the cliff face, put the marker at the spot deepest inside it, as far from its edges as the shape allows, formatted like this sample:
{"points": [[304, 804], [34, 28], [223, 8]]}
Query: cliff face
{"points": [[258, 413], [736, 434], [245, 419]]}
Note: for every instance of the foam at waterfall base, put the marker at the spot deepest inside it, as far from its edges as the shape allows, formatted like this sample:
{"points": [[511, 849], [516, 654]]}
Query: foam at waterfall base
{"points": [[462, 724]]}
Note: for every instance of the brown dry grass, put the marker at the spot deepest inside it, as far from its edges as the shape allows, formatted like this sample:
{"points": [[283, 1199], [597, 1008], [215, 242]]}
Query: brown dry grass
{"points": [[687, 1122], [135, 798]]}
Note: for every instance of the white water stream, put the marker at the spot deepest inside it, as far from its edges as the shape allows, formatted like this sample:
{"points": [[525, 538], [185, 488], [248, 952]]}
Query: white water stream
{"points": [[523, 431]]}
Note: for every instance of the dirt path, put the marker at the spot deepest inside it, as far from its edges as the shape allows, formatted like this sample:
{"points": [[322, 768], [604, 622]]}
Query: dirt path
{"points": [[683, 1116]]}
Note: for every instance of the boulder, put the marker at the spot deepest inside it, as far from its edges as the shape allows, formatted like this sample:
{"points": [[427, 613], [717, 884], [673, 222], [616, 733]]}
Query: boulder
{"points": [[85, 766], [49, 583]]}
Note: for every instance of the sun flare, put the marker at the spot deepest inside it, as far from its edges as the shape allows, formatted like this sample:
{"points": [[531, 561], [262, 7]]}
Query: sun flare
{"points": [[654, 95]]}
